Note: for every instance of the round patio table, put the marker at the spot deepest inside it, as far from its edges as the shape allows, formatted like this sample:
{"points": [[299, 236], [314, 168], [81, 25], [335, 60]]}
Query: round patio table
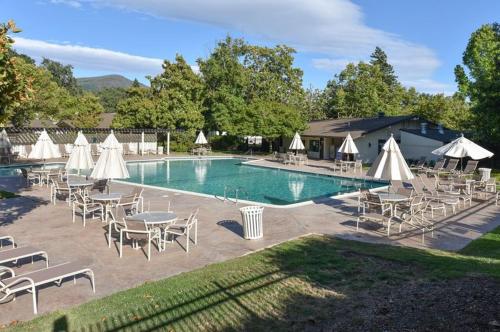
{"points": [[44, 175], [107, 199], [392, 197], [159, 219]]}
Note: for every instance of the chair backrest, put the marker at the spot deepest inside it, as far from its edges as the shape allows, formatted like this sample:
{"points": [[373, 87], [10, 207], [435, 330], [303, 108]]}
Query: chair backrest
{"points": [[79, 198], [24, 172], [61, 185], [421, 162], [452, 164], [417, 186], [134, 224], [408, 192], [127, 199], [416, 203], [471, 166], [137, 191], [99, 185], [428, 183], [193, 217], [439, 164]]}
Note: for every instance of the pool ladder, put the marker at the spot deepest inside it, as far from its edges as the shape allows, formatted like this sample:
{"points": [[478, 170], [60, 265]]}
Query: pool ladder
{"points": [[237, 193]]}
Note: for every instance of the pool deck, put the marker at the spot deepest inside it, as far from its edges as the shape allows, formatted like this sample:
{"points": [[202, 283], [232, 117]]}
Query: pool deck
{"points": [[33, 221]]}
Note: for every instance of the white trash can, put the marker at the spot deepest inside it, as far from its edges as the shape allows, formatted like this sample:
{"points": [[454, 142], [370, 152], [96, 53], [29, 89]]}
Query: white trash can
{"points": [[252, 221], [485, 173]]}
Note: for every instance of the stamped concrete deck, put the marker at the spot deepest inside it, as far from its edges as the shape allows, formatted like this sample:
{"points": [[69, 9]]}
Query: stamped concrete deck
{"points": [[32, 220]]}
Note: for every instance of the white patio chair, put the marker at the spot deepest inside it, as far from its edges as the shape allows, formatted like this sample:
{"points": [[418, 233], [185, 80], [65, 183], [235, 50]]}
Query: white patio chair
{"points": [[137, 230], [375, 210], [183, 229], [85, 207]]}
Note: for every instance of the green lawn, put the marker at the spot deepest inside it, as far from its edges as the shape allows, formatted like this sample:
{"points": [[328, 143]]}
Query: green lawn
{"points": [[300, 284]]}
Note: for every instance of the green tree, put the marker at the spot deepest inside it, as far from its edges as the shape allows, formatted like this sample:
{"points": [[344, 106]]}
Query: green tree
{"points": [[137, 110], [482, 83], [110, 97], [451, 111], [83, 111], [379, 58], [62, 75], [314, 105], [15, 88]]}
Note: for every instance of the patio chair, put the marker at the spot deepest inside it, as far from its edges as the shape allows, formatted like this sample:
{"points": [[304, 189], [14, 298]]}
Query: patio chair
{"points": [[30, 177], [450, 166], [62, 149], [137, 230], [7, 238], [447, 198], [437, 167], [31, 281], [413, 214], [137, 192], [485, 190], [183, 229], [61, 190], [456, 188], [288, 159], [126, 149], [127, 204], [94, 150], [358, 166], [98, 187], [362, 197], [434, 203], [420, 164], [374, 209], [15, 254], [469, 169], [84, 207]]}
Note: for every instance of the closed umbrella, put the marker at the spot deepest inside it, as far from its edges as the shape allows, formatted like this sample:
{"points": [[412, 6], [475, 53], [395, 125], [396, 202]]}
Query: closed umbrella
{"points": [[348, 146], [461, 148], [200, 139], [296, 143], [81, 156], [390, 164], [44, 148], [5, 146], [110, 164]]}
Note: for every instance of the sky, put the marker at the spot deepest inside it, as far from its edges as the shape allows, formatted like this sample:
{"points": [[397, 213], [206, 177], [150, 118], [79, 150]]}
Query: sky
{"points": [[424, 39]]}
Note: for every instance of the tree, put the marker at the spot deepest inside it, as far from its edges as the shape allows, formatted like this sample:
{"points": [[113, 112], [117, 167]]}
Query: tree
{"points": [[15, 88], [451, 111], [110, 97], [83, 111], [239, 78], [314, 105], [482, 84], [62, 75], [379, 58]]}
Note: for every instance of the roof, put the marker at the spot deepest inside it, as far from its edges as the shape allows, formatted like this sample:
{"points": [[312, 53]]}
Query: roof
{"points": [[356, 126], [447, 136]]}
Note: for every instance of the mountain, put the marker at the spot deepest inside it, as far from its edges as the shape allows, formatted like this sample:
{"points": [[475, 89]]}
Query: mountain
{"points": [[101, 82]]}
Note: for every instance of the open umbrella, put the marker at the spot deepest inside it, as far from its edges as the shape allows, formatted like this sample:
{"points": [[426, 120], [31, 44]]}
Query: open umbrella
{"points": [[296, 143], [461, 148], [348, 146], [390, 164], [81, 156], [44, 148], [110, 164], [200, 139]]}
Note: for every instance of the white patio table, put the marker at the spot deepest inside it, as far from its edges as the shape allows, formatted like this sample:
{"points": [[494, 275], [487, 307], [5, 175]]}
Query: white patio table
{"points": [[159, 219], [107, 199]]}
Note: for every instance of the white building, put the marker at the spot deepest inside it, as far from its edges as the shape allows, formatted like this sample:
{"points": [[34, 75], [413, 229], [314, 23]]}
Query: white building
{"points": [[416, 136]]}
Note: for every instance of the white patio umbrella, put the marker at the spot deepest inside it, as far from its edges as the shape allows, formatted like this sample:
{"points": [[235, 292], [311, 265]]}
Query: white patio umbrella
{"points": [[461, 148], [348, 146], [296, 143], [44, 148], [390, 164], [5, 145], [81, 156], [200, 139], [110, 164]]}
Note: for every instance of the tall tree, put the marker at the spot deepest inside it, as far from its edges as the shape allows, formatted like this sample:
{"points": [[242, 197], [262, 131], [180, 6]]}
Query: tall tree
{"points": [[14, 86], [482, 84], [62, 75], [379, 58], [110, 97]]}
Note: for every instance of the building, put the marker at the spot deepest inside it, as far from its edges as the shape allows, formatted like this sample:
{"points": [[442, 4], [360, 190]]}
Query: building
{"points": [[416, 136]]}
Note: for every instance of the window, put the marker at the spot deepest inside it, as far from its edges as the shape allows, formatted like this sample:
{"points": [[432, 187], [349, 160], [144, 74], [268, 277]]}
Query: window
{"points": [[314, 146]]}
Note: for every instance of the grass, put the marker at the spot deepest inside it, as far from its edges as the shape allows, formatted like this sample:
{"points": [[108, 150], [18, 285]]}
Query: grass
{"points": [[487, 245], [280, 288], [7, 194]]}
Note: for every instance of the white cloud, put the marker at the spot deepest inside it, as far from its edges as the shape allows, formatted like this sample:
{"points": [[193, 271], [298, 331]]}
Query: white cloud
{"points": [[330, 64], [333, 28], [89, 58], [71, 3]]}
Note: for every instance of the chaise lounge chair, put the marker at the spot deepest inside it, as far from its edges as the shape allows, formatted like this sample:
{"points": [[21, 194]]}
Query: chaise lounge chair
{"points": [[29, 282], [15, 254]]}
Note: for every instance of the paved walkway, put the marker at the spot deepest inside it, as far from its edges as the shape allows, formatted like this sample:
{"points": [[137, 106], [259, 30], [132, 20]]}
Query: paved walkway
{"points": [[34, 221]]}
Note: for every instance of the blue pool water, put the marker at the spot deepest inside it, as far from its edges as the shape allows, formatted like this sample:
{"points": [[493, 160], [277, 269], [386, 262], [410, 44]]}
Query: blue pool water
{"points": [[16, 170], [259, 184]]}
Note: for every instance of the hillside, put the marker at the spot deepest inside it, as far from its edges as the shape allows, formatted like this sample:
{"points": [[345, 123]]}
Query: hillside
{"points": [[98, 83]]}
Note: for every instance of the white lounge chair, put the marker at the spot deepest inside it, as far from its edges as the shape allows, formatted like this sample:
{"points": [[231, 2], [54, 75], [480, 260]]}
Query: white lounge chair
{"points": [[15, 254], [29, 282], [7, 238]]}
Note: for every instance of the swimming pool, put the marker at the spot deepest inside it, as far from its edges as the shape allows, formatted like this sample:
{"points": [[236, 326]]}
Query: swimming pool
{"points": [[252, 183], [16, 169]]}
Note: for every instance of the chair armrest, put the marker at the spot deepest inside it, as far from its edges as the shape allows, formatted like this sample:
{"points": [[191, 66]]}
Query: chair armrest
{"points": [[5, 269]]}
